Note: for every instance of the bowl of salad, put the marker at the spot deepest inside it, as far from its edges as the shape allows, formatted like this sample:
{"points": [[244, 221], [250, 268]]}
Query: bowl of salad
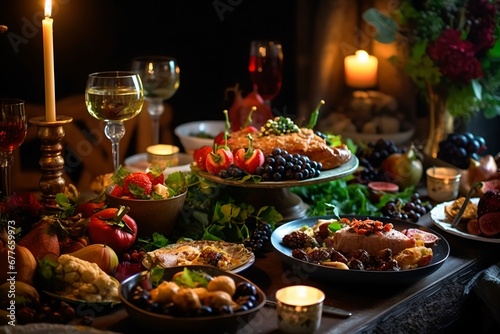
{"points": [[155, 199]]}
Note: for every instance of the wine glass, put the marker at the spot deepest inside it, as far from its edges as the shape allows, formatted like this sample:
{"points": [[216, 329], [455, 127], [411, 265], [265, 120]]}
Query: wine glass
{"points": [[161, 78], [13, 128], [114, 97], [266, 68]]}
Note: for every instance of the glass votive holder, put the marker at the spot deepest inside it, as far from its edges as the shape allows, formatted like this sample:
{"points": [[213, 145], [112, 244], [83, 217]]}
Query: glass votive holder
{"points": [[299, 308], [443, 183], [163, 155]]}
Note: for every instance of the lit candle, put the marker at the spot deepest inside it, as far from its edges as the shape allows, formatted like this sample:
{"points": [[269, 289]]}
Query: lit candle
{"points": [[361, 70], [48, 63]]}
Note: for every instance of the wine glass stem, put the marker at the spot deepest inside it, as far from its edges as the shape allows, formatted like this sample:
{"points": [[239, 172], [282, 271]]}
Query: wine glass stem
{"points": [[115, 131], [155, 110], [6, 160]]}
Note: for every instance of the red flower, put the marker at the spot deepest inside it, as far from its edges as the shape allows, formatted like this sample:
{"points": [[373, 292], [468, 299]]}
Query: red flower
{"points": [[455, 57], [481, 14]]}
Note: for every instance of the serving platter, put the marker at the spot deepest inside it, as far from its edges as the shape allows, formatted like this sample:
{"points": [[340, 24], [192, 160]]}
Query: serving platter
{"points": [[441, 251], [241, 258], [327, 175], [438, 217]]}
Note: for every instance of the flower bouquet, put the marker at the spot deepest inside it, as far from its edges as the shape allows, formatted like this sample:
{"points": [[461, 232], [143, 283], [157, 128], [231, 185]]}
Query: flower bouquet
{"points": [[451, 51], [450, 45]]}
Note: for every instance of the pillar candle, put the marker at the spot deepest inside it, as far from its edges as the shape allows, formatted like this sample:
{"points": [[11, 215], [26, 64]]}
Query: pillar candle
{"points": [[48, 64], [361, 70]]}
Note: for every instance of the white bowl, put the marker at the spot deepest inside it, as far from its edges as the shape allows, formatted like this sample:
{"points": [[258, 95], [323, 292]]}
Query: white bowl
{"points": [[189, 134]]}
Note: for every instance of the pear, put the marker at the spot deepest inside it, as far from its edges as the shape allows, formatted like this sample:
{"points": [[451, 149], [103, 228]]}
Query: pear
{"points": [[16, 259]]}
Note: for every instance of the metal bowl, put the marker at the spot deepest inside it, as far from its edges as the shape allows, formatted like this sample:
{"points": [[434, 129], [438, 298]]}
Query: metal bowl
{"points": [[161, 322]]}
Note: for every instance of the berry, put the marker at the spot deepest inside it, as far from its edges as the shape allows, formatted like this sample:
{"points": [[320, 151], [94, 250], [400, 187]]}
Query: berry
{"points": [[137, 185], [259, 238], [280, 165], [409, 211], [457, 149]]}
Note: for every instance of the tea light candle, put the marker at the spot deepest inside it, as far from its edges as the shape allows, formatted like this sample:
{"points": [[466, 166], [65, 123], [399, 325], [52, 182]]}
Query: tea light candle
{"points": [[443, 183], [162, 154], [299, 308], [48, 63], [361, 70]]}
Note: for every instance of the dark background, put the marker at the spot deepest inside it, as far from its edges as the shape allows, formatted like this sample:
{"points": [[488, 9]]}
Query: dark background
{"points": [[210, 40]]}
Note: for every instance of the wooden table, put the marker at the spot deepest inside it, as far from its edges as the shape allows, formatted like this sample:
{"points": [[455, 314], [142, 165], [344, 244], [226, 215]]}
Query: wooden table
{"points": [[431, 304]]}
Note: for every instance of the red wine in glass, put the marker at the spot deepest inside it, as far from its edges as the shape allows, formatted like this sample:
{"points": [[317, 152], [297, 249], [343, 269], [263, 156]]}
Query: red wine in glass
{"points": [[13, 128], [12, 135], [266, 68]]}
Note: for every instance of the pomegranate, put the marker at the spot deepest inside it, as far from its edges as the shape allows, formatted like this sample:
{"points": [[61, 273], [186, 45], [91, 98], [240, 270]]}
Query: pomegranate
{"points": [[489, 202]]}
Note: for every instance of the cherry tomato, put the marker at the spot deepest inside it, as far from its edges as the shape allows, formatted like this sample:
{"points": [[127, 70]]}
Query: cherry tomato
{"points": [[249, 159], [200, 156], [218, 160]]}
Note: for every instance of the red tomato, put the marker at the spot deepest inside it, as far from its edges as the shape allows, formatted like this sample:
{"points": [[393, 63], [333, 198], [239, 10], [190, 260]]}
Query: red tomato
{"points": [[221, 159], [113, 227], [249, 159], [200, 156]]}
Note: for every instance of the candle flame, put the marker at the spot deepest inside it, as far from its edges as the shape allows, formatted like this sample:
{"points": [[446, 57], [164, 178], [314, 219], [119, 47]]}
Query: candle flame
{"points": [[362, 55], [48, 8]]}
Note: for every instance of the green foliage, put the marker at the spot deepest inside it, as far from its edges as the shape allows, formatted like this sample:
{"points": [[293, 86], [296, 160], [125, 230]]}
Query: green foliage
{"points": [[212, 213], [339, 197]]}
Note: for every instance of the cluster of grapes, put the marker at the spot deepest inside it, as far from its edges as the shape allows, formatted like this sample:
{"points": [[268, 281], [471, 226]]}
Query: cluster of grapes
{"points": [[281, 165], [371, 157], [232, 171], [376, 152], [409, 211], [457, 149], [259, 238]]}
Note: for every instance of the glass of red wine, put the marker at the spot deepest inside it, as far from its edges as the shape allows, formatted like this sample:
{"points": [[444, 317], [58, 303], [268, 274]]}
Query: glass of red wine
{"points": [[13, 128], [266, 68]]}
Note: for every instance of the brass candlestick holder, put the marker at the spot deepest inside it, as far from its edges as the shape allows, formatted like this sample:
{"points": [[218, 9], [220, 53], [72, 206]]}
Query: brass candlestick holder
{"points": [[52, 161]]}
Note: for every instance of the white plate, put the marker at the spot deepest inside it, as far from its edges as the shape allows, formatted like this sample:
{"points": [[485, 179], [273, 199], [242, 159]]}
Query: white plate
{"points": [[139, 163], [439, 219], [396, 138]]}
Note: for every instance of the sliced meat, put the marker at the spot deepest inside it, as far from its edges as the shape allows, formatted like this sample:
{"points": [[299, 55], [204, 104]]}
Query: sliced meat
{"points": [[347, 241]]}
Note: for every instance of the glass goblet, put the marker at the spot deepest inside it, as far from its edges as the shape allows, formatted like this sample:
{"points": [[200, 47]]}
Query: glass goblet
{"points": [[160, 77], [266, 68], [13, 128], [114, 97]]}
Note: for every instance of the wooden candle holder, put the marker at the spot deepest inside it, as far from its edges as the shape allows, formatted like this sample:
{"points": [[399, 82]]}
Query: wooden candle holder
{"points": [[52, 161]]}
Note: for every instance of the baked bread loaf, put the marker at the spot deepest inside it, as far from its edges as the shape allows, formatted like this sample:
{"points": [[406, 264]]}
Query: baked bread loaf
{"points": [[304, 142]]}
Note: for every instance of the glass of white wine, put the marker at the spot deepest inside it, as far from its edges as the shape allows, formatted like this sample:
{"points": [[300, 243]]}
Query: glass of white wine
{"points": [[114, 97], [160, 77]]}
